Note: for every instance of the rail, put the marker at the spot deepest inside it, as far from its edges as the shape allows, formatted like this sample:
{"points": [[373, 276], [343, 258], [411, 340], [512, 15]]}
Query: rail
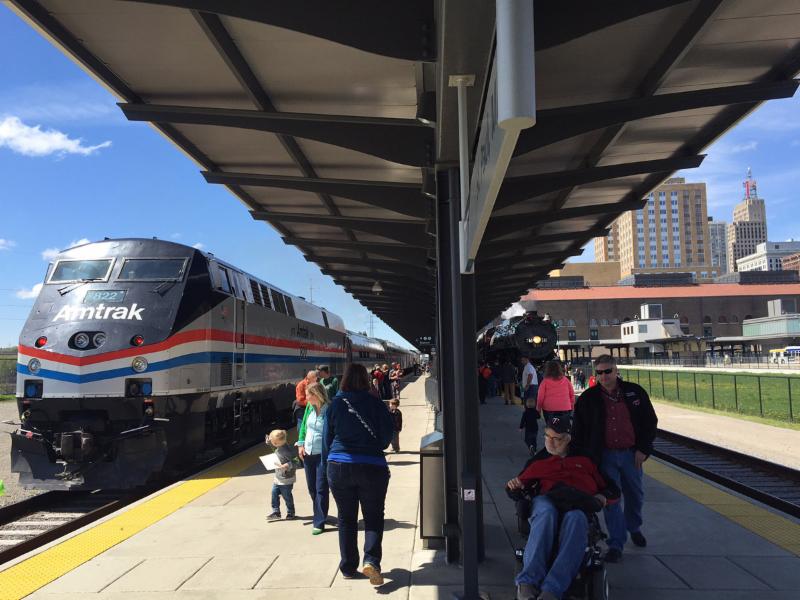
{"points": [[775, 485], [32, 523]]}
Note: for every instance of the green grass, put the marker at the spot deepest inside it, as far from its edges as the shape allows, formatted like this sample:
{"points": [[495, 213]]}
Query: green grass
{"points": [[4, 397], [764, 396]]}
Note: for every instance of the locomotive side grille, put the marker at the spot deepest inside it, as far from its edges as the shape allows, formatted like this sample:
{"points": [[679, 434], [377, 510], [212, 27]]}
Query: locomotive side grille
{"points": [[226, 370], [265, 296], [256, 292]]}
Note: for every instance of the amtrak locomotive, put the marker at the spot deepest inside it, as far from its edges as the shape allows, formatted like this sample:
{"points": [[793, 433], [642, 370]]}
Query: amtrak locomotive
{"points": [[140, 356]]}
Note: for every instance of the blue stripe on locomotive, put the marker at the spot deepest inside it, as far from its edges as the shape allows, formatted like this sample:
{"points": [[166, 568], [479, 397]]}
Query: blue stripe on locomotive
{"points": [[186, 359]]}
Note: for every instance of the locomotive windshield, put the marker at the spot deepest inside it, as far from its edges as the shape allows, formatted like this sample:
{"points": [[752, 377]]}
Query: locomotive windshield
{"points": [[80, 270], [152, 269]]}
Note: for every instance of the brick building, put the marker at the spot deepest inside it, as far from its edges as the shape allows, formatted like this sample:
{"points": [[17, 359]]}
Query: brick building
{"points": [[591, 314]]}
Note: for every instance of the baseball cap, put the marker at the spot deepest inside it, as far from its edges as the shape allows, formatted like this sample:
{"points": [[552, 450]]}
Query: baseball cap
{"points": [[560, 424]]}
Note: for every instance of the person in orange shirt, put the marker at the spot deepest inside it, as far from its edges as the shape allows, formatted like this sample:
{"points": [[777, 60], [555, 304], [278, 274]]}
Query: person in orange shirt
{"points": [[299, 406]]}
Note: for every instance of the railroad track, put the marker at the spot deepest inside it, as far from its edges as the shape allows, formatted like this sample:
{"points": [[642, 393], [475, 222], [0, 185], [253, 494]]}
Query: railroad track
{"points": [[31, 523], [775, 485]]}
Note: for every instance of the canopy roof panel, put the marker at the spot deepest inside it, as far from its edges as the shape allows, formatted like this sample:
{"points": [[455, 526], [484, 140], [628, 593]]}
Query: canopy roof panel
{"points": [[328, 120]]}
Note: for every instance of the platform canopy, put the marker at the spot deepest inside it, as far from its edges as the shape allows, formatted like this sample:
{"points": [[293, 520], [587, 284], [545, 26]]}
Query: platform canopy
{"points": [[329, 119]]}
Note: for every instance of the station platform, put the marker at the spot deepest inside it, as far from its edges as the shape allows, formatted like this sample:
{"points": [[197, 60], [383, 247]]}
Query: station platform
{"points": [[208, 538]]}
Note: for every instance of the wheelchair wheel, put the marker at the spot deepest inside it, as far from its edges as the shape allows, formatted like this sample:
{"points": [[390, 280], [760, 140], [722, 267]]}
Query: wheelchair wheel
{"points": [[598, 585]]}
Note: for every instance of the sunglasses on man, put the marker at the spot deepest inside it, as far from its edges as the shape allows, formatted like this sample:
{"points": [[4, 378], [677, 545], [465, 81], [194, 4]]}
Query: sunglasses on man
{"points": [[604, 371]]}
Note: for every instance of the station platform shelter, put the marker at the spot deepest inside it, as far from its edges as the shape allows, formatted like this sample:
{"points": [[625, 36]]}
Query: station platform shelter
{"points": [[208, 538]]}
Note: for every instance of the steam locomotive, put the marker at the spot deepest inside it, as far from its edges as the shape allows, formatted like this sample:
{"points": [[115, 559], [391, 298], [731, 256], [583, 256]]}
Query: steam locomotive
{"points": [[526, 335], [139, 356]]}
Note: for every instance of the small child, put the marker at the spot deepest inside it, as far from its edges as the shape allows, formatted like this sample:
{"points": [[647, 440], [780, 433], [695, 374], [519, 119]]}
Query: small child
{"points": [[397, 419], [530, 423], [284, 474]]}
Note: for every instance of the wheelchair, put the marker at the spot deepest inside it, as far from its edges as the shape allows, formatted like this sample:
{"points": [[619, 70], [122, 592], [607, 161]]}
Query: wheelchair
{"points": [[591, 582]]}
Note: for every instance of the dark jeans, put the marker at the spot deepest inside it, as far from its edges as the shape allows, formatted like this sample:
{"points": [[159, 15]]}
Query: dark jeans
{"points": [[531, 436], [317, 482], [286, 492], [354, 484]]}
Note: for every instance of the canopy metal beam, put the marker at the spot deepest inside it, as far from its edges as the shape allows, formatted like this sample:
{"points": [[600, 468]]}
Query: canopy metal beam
{"points": [[375, 275], [416, 254], [404, 141], [403, 198], [492, 248], [558, 124], [519, 189], [500, 226], [411, 232]]}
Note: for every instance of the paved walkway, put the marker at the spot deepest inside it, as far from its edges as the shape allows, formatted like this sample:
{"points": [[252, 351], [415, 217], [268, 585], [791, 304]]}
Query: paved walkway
{"points": [[220, 546], [775, 444]]}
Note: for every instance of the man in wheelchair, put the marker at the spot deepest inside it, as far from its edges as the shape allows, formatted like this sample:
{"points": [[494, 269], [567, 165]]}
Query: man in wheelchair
{"points": [[567, 488]]}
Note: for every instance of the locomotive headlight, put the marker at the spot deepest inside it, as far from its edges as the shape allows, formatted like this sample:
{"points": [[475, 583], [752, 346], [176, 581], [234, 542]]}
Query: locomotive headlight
{"points": [[82, 341], [139, 364], [537, 339], [34, 365], [99, 339]]}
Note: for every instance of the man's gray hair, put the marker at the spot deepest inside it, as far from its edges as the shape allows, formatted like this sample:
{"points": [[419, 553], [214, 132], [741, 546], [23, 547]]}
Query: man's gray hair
{"points": [[605, 359]]}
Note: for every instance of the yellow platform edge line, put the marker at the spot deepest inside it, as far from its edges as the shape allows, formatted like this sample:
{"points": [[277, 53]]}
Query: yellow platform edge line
{"points": [[26, 577], [772, 527]]}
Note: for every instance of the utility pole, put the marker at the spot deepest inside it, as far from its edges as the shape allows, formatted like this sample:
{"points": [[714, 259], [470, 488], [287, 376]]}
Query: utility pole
{"points": [[311, 290], [371, 325]]}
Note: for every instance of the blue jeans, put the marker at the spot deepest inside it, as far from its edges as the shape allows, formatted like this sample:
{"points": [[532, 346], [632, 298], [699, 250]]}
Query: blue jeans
{"points": [[354, 484], [317, 481], [572, 534], [491, 390], [286, 492], [625, 515]]}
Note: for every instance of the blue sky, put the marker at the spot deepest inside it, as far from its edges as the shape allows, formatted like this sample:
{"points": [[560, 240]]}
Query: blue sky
{"points": [[58, 187], [768, 141], [72, 168]]}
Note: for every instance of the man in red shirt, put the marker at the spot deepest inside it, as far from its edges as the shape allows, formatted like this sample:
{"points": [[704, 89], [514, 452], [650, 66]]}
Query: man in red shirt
{"points": [[566, 486], [615, 424], [299, 406]]}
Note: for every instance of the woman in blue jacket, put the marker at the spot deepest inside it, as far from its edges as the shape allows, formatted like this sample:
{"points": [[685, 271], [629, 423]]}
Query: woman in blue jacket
{"points": [[358, 427]]}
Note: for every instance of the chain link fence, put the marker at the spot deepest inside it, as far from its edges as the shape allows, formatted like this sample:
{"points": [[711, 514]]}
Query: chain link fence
{"points": [[8, 374], [771, 396]]}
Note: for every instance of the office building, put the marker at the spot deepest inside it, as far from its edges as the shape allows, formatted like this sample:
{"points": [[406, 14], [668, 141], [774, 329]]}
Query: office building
{"points": [[768, 256], [668, 235], [749, 226], [718, 242]]}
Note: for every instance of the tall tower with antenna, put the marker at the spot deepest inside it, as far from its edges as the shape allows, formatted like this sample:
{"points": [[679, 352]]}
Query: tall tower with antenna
{"points": [[749, 227]]}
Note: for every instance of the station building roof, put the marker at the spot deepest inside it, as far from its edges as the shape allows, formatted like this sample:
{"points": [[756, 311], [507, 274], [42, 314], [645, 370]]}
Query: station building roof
{"points": [[626, 292], [329, 120]]}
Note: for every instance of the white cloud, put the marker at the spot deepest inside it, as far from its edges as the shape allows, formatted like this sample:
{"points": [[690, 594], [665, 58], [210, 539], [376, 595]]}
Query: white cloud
{"points": [[198, 246], [7, 244], [33, 141], [31, 293], [736, 148], [60, 102], [50, 253]]}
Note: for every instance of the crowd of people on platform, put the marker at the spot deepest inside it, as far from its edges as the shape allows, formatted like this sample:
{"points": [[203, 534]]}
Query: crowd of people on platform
{"points": [[592, 460], [344, 429], [595, 446]]}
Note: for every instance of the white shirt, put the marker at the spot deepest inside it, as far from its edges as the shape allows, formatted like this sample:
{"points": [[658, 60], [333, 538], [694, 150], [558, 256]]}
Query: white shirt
{"points": [[529, 370]]}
